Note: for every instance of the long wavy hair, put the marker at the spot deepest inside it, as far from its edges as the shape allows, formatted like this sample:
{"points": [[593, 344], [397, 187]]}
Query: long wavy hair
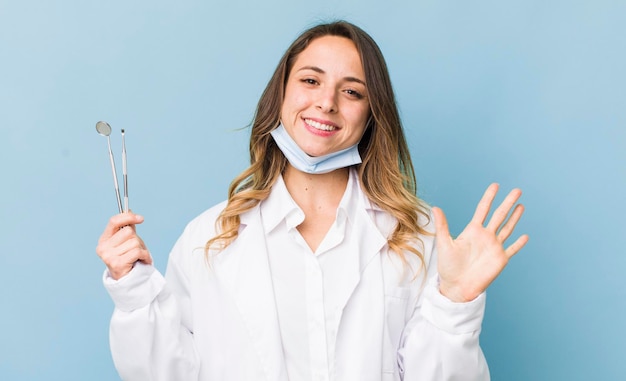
{"points": [[386, 172]]}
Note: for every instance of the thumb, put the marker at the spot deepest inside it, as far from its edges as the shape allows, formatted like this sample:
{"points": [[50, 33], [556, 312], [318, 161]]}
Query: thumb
{"points": [[442, 232]]}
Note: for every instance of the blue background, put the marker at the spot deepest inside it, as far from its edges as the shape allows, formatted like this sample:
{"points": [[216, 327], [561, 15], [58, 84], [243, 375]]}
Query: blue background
{"points": [[526, 93]]}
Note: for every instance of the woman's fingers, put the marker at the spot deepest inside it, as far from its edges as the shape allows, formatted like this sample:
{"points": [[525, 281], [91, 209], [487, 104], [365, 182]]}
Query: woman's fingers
{"points": [[110, 252], [125, 256], [484, 205], [499, 215], [133, 242], [123, 234], [120, 260], [516, 246], [117, 222], [510, 224]]}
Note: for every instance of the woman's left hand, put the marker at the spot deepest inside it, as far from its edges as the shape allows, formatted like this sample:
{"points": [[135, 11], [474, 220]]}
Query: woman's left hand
{"points": [[468, 264]]}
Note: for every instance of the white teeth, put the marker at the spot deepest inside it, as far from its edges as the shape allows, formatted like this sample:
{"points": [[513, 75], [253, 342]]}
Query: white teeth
{"points": [[319, 126]]}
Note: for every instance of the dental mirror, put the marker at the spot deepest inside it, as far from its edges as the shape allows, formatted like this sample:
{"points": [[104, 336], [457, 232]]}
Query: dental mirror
{"points": [[104, 129]]}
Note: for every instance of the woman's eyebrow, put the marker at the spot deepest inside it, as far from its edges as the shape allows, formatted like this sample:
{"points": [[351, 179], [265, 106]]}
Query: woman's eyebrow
{"points": [[321, 71]]}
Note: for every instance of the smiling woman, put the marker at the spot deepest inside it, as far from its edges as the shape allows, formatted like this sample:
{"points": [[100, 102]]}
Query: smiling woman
{"points": [[323, 263]]}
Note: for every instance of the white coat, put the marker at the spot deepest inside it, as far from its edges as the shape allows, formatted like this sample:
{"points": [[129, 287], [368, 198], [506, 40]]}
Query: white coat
{"points": [[219, 321]]}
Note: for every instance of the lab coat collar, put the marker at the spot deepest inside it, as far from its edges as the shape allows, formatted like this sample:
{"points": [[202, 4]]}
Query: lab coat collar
{"points": [[279, 206]]}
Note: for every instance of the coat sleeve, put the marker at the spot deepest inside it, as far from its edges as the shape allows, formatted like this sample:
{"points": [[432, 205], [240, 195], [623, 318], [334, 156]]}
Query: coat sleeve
{"points": [[441, 339], [151, 331]]}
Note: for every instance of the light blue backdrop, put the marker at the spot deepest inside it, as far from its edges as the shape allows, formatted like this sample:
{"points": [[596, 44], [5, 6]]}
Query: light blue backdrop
{"points": [[526, 93]]}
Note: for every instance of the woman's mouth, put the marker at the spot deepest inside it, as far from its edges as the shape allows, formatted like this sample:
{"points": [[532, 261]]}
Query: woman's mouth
{"points": [[319, 126]]}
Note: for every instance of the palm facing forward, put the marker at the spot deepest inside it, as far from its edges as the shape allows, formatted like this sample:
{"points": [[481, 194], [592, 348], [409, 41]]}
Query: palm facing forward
{"points": [[468, 264]]}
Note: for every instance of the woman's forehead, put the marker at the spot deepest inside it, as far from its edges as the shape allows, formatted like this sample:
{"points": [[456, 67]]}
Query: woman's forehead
{"points": [[328, 54]]}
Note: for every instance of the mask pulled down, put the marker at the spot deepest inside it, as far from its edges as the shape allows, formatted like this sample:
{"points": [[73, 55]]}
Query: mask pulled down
{"points": [[310, 164]]}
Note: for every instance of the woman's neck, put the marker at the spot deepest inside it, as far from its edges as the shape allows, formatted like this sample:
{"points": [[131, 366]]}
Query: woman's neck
{"points": [[315, 191], [318, 196]]}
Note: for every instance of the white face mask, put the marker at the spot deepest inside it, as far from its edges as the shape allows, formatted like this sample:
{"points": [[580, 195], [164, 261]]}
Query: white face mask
{"points": [[314, 165]]}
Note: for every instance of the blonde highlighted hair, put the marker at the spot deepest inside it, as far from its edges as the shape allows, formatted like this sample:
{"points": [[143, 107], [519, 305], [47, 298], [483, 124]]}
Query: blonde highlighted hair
{"points": [[386, 173]]}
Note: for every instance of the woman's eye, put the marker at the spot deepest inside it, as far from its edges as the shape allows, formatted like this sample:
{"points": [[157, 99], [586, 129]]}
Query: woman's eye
{"points": [[354, 93], [309, 81]]}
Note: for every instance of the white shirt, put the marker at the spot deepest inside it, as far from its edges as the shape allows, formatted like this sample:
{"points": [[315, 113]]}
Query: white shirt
{"points": [[304, 281]]}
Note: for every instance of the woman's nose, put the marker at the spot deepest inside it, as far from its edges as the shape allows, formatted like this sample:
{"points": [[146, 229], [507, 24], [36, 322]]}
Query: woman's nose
{"points": [[327, 100]]}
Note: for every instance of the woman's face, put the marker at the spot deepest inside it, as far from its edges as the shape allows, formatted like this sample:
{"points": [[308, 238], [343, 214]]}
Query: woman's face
{"points": [[326, 106]]}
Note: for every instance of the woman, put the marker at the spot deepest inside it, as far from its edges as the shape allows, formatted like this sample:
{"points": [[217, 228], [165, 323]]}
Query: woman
{"points": [[321, 265]]}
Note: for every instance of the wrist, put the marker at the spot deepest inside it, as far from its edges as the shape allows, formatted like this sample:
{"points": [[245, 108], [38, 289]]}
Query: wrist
{"points": [[119, 273], [456, 293]]}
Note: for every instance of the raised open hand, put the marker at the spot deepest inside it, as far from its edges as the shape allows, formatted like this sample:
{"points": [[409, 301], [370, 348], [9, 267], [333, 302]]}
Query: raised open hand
{"points": [[468, 264]]}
